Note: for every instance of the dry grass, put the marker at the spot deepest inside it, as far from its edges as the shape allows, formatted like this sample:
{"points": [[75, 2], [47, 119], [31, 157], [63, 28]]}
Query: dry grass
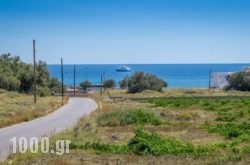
{"points": [[80, 158], [183, 124], [16, 108], [203, 92]]}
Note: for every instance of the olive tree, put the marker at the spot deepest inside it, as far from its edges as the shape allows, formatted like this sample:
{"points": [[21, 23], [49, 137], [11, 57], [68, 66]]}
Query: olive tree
{"points": [[141, 81]]}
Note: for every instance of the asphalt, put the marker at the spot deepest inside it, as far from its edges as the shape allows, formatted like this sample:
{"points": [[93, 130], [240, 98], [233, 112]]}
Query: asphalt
{"points": [[62, 119]]}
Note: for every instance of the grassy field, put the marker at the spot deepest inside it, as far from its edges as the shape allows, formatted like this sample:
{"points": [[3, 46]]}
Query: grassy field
{"points": [[16, 108], [173, 127]]}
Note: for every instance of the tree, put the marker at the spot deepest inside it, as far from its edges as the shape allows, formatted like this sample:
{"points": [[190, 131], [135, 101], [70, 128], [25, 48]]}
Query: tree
{"points": [[16, 75], [25, 75], [239, 81], [123, 84], [110, 83], [55, 85], [85, 84], [141, 81], [43, 77]]}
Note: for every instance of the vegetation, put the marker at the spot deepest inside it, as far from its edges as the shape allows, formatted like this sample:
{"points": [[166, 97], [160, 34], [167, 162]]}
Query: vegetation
{"points": [[109, 83], [146, 143], [16, 75], [191, 129], [141, 81], [127, 117], [16, 107], [85, 84], [239, 81]]}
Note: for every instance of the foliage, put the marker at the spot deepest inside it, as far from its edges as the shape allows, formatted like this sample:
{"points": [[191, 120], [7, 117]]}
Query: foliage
{"points": [[102, 148], [124, 82], [110, 83], [219, 104], [145, 143], [85, 84], [232, 113], [43, 91], [239, 81], [55, 85], [141, 81], [231, 130], [16, 75], [127, 117]]}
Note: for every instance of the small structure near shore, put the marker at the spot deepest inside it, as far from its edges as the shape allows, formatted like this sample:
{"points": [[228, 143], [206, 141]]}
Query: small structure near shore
{"points": [[219, 79]]}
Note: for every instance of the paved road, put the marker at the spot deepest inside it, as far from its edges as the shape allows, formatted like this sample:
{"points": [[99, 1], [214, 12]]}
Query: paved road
{"points": [[63, 118]]}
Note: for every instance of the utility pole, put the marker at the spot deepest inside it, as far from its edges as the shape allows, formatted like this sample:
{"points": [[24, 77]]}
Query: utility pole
{"points": [[62, 79], [101, 85], [86, 74], [74, 80], [34, 60], [209, 81]]}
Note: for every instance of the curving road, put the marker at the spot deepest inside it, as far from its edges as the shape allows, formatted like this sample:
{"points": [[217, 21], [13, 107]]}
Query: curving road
{"points": [[63, 118]]}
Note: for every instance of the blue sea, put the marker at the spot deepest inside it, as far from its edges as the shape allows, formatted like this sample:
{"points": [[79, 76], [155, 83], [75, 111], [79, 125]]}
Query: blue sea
{"points": [[176, 75]]}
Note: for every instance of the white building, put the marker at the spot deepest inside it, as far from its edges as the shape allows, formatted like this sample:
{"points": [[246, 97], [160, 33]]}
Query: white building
{"points": [[219, 79]]}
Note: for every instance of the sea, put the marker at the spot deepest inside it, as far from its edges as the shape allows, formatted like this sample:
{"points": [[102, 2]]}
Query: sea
{"points": [[176, 75]]}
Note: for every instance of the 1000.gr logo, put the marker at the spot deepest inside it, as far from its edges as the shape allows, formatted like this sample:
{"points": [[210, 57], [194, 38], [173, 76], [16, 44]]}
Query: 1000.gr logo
{"points": [[23, 145]]}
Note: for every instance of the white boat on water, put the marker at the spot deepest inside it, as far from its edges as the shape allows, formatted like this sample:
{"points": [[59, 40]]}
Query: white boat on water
{"points": [[123, 68]]}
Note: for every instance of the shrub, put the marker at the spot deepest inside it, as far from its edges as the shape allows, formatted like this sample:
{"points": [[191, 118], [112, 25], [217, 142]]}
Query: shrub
{"points": [[109, 83], [43, 91], [55, 85], [230, 130], [145, 143], [85, 84], [10, 83], [140, 81], [239, 81]]}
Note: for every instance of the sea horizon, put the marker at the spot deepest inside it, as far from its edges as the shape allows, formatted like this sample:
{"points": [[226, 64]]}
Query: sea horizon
{"points": [[176, 75], [148, 63]]}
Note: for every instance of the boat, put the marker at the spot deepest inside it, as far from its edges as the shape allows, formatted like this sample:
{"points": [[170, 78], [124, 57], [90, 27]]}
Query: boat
{"points": [[123, 68]]}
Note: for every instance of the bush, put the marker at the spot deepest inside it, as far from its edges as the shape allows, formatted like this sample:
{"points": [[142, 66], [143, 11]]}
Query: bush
{"points": [[43, 91], [109, 83], [85, 84], [55, 85], [145, 143], [10, 83], [140, 81], [239, 81], [230, 130]]}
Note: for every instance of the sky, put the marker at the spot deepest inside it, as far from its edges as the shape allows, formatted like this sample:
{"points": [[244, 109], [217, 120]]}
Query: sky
{"points": [[127, 31]]}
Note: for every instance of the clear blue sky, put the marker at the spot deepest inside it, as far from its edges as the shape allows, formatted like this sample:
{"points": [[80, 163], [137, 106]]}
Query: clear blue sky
{"points": [[127, 31]]}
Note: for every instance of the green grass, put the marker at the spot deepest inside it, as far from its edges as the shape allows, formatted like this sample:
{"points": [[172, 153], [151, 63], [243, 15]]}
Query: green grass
{"points": [[173, 130], [128, 117], [232, 113], [205, 103], [230, 129], [145, 143]]}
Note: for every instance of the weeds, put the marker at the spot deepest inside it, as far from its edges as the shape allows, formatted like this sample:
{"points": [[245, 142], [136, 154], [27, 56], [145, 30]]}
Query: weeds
{"points": [[16, 108], [199, 130], [145, 143], [128, 117]]}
